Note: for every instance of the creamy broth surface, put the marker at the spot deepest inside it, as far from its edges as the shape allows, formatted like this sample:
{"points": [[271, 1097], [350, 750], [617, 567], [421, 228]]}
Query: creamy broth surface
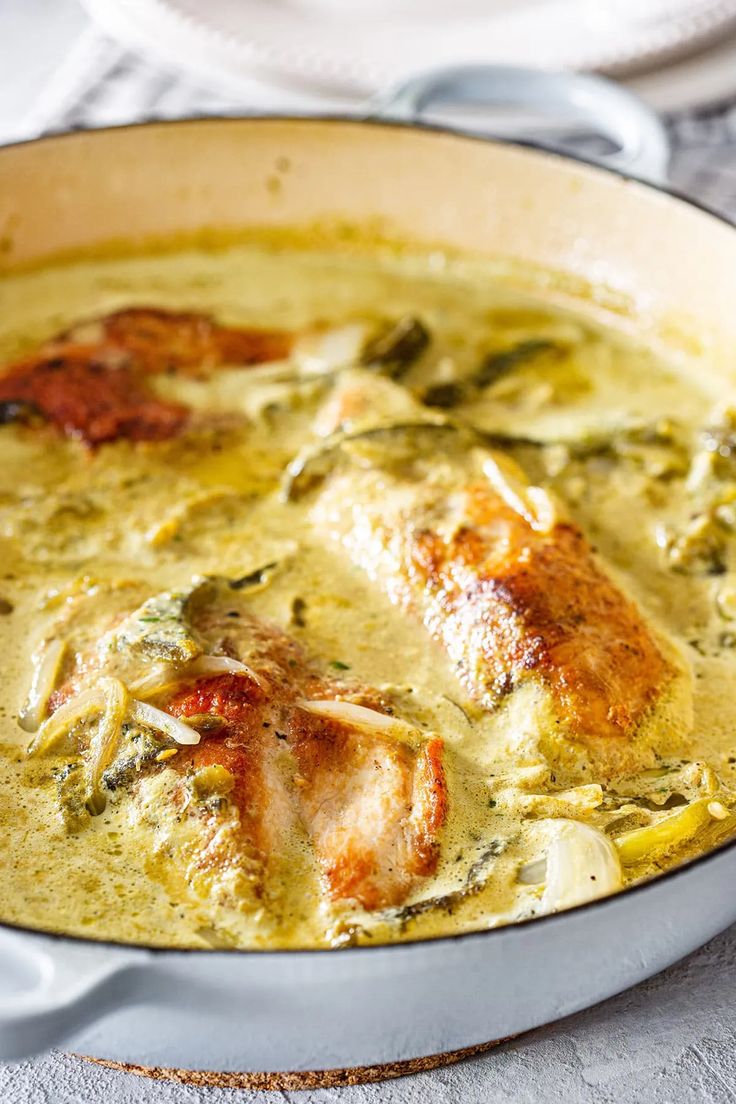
{"points": [[635, 450]]}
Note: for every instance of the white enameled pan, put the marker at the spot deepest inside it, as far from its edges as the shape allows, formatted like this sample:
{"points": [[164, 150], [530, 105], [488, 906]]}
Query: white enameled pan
{"points": [[661, 267]]}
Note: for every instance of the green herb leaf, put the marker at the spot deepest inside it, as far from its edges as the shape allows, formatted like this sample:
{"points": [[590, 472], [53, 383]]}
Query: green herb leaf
{"points": [[498, 364]]}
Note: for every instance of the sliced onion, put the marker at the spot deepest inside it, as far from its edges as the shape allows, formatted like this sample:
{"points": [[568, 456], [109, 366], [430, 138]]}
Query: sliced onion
{"points": [[161, 677], [353, 714], [87, 704], [320, 351], [534, 504], [533, 873], [46, 665], [582, 864], [219, 665], [156, 679], [104, 741], [145, 714]]}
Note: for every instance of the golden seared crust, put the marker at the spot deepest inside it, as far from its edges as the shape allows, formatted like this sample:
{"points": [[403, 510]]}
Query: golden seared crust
{"points": [[509, 602], [87, 397], [90, 383], [182, 341]]}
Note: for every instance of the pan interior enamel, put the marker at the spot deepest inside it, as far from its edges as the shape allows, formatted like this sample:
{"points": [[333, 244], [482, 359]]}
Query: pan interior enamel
{"points": [[372, 730]]}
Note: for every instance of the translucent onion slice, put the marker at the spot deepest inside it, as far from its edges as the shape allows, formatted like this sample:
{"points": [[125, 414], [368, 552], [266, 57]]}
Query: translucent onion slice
{"points": [[219, 665], [533, 873], [534, 504], [319, 351], [106, 736], [81, 707], [352, 714], [46, 665], [582, 864], [145, 714], [160, 678], [156, 679]]}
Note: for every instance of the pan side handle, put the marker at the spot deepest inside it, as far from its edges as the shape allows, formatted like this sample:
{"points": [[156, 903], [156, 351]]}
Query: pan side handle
{"points": [[599, 105], [52, 988]]}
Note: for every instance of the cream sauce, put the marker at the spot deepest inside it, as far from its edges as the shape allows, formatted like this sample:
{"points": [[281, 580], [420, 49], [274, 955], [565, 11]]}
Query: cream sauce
{"points": [[208, 503]]}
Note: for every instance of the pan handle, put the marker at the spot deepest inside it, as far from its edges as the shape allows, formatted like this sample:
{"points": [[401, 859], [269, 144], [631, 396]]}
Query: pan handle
{"points": [[52, 988], [608, 109]]}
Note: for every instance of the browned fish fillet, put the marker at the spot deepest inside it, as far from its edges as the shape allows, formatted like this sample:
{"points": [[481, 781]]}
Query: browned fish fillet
{"points": [[298, 748], [511, 591], [91, 383], [372, 805], [188, 342]]}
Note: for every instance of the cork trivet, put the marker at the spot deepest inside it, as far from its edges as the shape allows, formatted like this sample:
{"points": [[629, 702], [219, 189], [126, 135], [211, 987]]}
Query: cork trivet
{"points": [[301, 1079]]}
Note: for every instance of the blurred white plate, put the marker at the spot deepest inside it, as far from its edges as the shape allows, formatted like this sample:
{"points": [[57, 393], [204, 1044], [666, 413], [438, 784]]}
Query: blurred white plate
{"points": [[698, 80], [360, 47]]}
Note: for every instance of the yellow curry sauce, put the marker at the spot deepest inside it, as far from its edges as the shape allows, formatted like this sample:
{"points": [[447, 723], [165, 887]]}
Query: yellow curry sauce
{"points": [[636, 452]]}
